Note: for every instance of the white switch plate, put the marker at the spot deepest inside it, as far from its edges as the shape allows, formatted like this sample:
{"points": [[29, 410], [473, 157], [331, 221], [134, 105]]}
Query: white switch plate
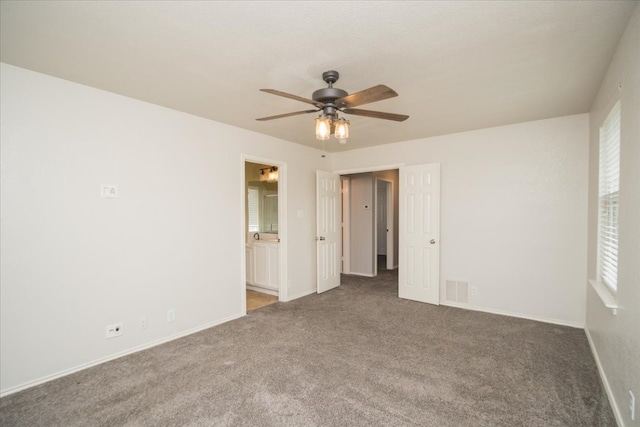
{"points": [[109, 191], [171, 315]]}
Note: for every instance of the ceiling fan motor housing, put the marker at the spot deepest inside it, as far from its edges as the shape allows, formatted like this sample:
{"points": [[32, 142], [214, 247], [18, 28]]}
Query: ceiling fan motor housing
{"points": [[329, 94]]}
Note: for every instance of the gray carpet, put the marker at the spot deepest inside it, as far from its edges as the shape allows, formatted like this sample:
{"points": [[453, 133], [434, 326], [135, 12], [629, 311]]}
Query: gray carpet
{"points": [[354, 356]]}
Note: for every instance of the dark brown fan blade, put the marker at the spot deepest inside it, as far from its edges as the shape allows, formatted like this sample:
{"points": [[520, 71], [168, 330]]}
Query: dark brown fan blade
{"points": [[296, 97], [376, 114], [279, 116], [373, 94]]}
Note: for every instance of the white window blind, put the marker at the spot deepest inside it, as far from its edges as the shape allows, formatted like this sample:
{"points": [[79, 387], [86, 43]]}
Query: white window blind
{"points": [[254, 196], [609, 183]]}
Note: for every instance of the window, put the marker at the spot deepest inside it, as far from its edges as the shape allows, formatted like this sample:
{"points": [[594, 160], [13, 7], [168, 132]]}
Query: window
{"points": [[609, 183], [254, 197]]}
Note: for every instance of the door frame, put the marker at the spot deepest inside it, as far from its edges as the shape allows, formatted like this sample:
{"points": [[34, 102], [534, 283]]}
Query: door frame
{"points": [[282, 226], [375, 236]]}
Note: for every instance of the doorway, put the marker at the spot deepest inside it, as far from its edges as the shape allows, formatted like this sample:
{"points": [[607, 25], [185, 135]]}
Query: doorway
{"points": [[418, 227], [369, 222], [264, 229]]}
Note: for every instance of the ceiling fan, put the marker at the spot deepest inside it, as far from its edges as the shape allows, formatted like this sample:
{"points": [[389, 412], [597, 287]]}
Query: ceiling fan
{"points": [[329, 101]]}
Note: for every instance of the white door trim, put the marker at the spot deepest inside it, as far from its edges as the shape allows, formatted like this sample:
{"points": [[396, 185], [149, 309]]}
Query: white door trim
{"points": [[369, 169], [282, 226]]}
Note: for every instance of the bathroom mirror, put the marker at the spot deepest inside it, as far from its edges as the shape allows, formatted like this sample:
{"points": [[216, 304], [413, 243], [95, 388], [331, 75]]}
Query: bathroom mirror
{"points": [[262, 199]]}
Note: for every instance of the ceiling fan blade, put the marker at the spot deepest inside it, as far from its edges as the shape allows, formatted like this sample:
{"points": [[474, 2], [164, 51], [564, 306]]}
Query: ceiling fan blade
{"points": [[296, 97], [279, 116], [376, 114], [373, 94]]}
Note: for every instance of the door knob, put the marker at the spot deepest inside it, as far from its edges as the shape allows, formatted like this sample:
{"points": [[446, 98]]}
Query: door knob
{"points": [[432, 241], [320, 238]]}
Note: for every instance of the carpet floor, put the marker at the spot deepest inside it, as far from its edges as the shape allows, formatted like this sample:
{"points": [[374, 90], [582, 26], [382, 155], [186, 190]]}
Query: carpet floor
{"points": [[354, 356]]}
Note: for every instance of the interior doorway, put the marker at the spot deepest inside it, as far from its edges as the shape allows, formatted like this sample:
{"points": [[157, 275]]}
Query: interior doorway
{"points": [[417, 236], [369, 216], [264, 228]]}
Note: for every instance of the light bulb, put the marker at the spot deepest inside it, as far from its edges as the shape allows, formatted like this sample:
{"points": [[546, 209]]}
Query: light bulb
{"points": [[342, 130], [323, 128]]}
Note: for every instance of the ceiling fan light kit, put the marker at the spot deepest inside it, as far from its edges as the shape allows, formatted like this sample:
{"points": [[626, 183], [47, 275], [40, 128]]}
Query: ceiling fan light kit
{"points": [[330, 100]]}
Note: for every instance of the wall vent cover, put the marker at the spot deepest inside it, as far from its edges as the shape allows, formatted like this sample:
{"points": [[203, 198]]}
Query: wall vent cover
{"points": [[457, 291]]}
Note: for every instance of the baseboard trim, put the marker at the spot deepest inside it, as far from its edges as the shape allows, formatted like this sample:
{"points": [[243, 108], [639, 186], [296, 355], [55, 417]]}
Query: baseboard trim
{"points": [[605, 382], [268, 291], [102, 360], [510, 314]]}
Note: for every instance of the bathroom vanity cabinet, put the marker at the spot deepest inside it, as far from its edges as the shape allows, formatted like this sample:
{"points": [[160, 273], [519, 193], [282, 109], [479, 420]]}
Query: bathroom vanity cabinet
{"points": [[263, 264]]}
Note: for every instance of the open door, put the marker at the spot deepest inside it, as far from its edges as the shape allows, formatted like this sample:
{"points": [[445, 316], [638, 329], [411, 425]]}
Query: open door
{"points": [[384, 222], [328, 206], [419, 273]]}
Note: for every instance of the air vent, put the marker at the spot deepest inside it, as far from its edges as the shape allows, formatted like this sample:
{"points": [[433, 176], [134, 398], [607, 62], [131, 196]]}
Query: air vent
{"points": [[457, 291]]}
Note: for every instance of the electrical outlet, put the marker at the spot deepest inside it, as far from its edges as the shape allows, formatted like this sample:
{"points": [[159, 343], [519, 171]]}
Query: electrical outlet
{"points": [[474, 291], [114, 330], [143, 322], [632, 405], [171, 315]]}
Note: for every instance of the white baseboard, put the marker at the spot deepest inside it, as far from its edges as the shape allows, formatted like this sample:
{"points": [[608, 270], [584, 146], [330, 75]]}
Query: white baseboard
{"points": [[102, 360], [510, 314], [262, 290], [605, 382]]}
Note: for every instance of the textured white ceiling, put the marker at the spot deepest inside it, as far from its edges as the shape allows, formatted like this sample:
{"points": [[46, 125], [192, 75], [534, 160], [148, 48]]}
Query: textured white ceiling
{"points": [[457, 65]]}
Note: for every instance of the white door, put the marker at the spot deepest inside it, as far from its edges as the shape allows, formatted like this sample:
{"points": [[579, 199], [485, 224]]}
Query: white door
{"points": [[328, 200], [381, 216], [419, 273]]}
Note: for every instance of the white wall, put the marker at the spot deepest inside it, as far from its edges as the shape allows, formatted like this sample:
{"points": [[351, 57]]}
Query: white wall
{"points": [[73, 263], [513, 212], [615, 339]]}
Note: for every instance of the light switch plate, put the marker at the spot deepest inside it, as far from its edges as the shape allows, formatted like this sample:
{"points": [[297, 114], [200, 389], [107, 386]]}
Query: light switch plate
{"points": [[109, 191]]}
